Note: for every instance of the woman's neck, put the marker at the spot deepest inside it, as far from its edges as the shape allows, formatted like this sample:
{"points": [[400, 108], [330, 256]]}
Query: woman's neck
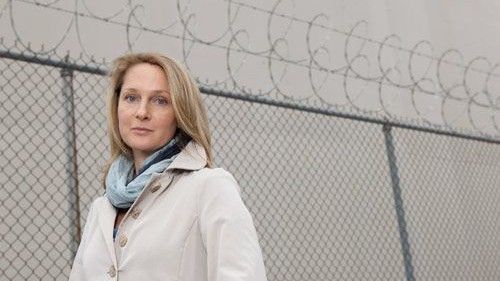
{"points": [[138, 161]]}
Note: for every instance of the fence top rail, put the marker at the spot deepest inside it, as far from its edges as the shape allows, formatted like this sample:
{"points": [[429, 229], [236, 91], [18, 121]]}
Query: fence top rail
{"points": [[100, 69]]}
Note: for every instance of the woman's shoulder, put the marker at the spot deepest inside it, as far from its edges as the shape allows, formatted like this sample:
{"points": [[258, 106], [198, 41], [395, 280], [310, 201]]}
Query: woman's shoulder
{"points": [[217, 181], [208, 173], [100, 202]]}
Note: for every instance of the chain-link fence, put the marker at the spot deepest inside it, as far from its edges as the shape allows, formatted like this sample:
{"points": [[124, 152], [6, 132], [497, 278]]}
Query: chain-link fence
{"points": [[333, 198]]}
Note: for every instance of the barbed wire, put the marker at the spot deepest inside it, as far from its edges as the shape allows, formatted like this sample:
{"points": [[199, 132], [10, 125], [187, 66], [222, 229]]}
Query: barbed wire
{"points": [[354, 73]]}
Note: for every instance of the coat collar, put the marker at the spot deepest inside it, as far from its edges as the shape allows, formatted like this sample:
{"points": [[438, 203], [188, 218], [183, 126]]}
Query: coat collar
{"points": [[192, 157]]}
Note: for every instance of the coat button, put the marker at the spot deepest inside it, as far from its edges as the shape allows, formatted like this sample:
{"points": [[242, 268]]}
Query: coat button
{"points": [[155, 188], [112, 271], [135, 213], [123, 241]]}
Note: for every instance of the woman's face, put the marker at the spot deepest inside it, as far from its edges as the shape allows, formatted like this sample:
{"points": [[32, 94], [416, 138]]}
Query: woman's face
{"points": [[146, 117]]}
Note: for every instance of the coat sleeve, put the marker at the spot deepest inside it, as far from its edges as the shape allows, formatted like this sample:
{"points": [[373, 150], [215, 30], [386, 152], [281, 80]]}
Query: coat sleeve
{"points": [[76, 269], [228, 233]]}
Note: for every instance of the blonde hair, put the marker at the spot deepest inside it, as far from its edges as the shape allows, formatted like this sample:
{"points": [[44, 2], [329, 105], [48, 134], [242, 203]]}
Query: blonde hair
{"points": [[189, 110]]}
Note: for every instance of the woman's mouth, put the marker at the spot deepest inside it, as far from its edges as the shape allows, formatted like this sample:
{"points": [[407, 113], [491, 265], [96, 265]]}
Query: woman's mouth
{"points": [[141, 130]]}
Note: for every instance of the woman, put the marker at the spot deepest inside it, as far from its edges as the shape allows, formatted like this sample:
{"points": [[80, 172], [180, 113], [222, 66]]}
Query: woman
{"points": [[166, 214]]}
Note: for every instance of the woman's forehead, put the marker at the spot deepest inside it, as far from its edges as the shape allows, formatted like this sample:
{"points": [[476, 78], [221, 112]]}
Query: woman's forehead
{"points": [[145, 77], [138, 90]]}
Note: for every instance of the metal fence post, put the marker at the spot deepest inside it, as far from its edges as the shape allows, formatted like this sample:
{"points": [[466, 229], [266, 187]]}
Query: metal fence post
{"points": [[398, 203], [72, 164]]}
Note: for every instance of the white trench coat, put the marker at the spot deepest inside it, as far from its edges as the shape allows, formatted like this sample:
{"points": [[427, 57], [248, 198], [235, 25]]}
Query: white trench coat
{"points": [[188, 224]]}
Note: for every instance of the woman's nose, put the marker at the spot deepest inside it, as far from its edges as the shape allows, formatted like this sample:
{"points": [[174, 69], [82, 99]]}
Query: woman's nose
{"points": [[142, 112]]}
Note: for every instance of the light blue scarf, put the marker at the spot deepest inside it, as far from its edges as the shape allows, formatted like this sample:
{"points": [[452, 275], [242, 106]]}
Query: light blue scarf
{"points": [[122, 189]]}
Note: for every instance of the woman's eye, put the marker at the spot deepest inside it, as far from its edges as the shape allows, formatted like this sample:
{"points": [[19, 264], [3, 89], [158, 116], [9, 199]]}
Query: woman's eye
{"points": [[130, 98], [160, 100]]}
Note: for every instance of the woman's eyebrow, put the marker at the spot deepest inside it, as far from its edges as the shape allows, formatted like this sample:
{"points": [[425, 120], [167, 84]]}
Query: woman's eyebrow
{"points": [[129, 90], [155, 92], [161, 92]]}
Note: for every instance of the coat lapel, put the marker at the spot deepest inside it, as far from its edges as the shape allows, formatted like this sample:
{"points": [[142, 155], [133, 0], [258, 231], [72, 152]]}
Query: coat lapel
{"points": [[107, 216]]}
